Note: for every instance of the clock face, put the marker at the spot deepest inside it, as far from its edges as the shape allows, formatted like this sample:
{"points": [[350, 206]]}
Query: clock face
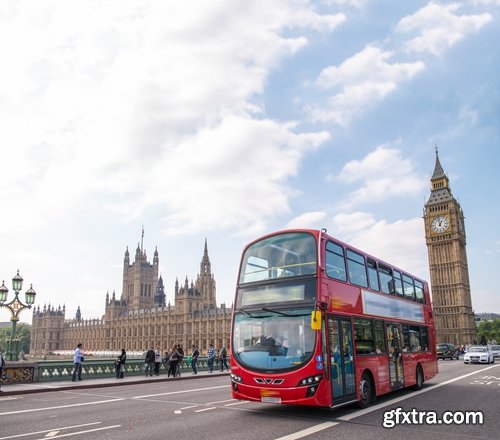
{"points": [[439, 224]]}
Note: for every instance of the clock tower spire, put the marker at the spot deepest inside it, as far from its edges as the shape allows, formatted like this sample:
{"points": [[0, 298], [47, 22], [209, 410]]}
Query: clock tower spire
{"points": [[446, 245]]}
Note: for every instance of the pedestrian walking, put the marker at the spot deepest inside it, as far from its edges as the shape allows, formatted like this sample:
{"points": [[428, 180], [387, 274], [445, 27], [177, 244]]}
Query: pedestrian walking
{"points": [[195, 354], [180, 355], [157, 361], [211, 358], [78, 358], [222, 359], [120, 364], [149, 362], [2, 365], [174, 359]]}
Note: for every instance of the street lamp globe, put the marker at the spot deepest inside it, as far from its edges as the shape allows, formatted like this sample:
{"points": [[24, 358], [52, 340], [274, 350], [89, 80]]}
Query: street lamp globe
{"points": [[30, 296], [17, 282], [3, 292]]}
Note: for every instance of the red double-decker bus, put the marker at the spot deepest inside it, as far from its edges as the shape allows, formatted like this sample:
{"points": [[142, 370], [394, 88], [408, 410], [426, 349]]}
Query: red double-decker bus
{"points": [[318, 322]]}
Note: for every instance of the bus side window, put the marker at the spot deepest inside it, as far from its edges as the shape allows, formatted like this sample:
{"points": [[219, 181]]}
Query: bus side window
{"points": [[373, 275], [386, 281], [406, 338], [335, 262], [398, 285], [408, 287], [419, 291], [357, 269]]}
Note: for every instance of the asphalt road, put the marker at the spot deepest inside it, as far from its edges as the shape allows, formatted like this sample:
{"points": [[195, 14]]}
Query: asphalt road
{"points": [[204, 409]]}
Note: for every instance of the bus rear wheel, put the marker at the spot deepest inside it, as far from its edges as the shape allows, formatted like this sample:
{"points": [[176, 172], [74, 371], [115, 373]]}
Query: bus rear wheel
{"points": [[366, 395], [419, 378]]}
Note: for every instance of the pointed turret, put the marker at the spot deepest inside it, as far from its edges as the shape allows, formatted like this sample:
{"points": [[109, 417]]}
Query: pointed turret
{"points": [[205, 266], [440, 189]]}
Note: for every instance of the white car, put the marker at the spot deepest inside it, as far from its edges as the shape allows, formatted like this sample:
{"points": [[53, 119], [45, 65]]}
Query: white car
{"points": [[480, 355], [495, 349]]}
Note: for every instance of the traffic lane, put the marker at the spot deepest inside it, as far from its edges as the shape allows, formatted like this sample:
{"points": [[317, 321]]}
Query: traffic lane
{"points": [[144, 417], [476, 390]]}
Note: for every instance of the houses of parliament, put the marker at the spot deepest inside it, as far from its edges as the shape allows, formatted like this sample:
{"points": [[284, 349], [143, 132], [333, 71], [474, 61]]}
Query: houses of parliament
{"points": [[140, 317]]}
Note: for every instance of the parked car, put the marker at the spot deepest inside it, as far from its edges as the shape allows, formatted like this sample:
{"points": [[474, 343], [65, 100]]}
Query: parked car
{"points": [[481, 355], [447, 351], [495, 349]]}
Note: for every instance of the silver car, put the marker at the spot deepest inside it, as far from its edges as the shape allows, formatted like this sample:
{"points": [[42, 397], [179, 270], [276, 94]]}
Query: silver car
{"points": [[480, 355], [495, 349]]}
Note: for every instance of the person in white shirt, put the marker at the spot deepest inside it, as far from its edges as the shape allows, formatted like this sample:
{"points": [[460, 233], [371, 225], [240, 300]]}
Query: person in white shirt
{"points": [[77, 360]]}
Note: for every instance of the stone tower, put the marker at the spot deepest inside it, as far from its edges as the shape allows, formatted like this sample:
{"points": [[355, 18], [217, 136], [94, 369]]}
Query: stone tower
{"points": [[446, 246], [140, 279]]}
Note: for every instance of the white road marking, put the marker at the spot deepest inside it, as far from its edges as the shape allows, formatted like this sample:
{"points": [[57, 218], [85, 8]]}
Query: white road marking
{"points": [[241, 402], [219, 401], [52, 434], [179, 392], [177, 412], [83, 432], [362, 412], [49, 430], [206, 409], [58, 407], [308, 431]]}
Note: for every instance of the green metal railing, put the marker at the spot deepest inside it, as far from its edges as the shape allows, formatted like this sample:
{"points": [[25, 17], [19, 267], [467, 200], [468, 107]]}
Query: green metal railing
{"points": [[48, 371]]}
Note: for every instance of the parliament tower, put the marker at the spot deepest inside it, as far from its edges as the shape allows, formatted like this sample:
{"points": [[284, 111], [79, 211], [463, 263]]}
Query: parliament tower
{"points": [[446, 245]]}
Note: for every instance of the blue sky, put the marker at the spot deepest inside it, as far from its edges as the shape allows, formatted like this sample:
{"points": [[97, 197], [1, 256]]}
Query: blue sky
{"points": [[226, 120]]}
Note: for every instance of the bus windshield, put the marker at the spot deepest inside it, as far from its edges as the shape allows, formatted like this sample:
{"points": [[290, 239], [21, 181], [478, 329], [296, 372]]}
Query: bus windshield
{"points": [[273, 340], [283, 255]]}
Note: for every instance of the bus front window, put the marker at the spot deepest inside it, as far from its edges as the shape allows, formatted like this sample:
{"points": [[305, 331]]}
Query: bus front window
{"points": [[270, 340], [281, 256]]}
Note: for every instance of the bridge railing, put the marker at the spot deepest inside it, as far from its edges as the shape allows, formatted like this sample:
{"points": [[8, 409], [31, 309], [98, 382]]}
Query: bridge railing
{"points": [[47, 371]]}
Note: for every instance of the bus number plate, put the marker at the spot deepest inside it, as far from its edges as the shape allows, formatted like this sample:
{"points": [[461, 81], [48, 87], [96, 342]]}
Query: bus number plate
{"points": [[268, 399]]}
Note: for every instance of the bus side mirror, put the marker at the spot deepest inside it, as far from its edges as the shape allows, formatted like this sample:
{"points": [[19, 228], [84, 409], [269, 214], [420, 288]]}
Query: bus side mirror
{"points": [[316, 320]]}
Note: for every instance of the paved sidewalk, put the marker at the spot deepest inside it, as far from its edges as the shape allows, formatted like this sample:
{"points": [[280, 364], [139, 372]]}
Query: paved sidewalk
{"points": [[40, 387]]}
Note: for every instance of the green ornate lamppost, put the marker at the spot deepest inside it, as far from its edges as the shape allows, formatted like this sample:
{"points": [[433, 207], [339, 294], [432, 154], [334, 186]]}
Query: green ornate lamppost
{"points": [[16, 306]]}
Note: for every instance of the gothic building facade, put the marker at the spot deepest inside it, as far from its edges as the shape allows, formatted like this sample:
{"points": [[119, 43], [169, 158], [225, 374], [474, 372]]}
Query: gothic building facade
{"points": [[140, 317], [449, 273]]}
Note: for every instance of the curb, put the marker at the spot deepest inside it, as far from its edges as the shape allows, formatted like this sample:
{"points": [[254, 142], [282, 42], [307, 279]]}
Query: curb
{"points": [[106, 384]]}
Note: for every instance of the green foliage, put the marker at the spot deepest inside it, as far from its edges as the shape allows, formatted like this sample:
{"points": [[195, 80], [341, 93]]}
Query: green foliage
{"points": [[23, 333], [489, 330]]}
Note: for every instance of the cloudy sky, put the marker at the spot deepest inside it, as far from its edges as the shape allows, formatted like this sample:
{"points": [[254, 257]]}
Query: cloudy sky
{"points": [[226, 120]]}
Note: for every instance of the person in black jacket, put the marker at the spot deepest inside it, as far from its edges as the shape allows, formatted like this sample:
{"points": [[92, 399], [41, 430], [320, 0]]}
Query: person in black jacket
{"points": [[120, 364], [149, 362]]}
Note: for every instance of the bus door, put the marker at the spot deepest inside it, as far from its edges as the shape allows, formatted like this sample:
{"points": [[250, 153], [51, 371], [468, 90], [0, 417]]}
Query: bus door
{"points": [[394, 348], [341, 359]]}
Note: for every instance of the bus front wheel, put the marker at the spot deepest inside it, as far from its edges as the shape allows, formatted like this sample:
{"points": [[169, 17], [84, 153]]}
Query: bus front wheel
{"points": [[366, 394]]}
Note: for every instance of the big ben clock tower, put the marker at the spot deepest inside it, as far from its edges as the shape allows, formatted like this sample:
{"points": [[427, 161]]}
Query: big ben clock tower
{"points": [[446, 245]]}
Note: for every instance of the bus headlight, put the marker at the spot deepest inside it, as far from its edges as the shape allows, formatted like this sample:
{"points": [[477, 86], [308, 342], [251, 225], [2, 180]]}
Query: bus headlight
{"points": [[311, 380], [236, 378]]}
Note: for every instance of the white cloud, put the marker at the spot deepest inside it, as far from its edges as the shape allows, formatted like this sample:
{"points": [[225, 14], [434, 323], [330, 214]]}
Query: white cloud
{"points": [[313, 220], [360, 82], [360, 4], [121, 105], [439, 27], [401, 243], [384, 174], [231, 175]]}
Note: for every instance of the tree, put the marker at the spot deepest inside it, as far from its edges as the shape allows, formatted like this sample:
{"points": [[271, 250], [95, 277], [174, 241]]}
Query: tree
{"points": [[23, 333], [489, 330]]}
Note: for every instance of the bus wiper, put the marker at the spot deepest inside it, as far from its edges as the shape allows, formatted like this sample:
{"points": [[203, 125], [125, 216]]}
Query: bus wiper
{"points": [[275, 311]]}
